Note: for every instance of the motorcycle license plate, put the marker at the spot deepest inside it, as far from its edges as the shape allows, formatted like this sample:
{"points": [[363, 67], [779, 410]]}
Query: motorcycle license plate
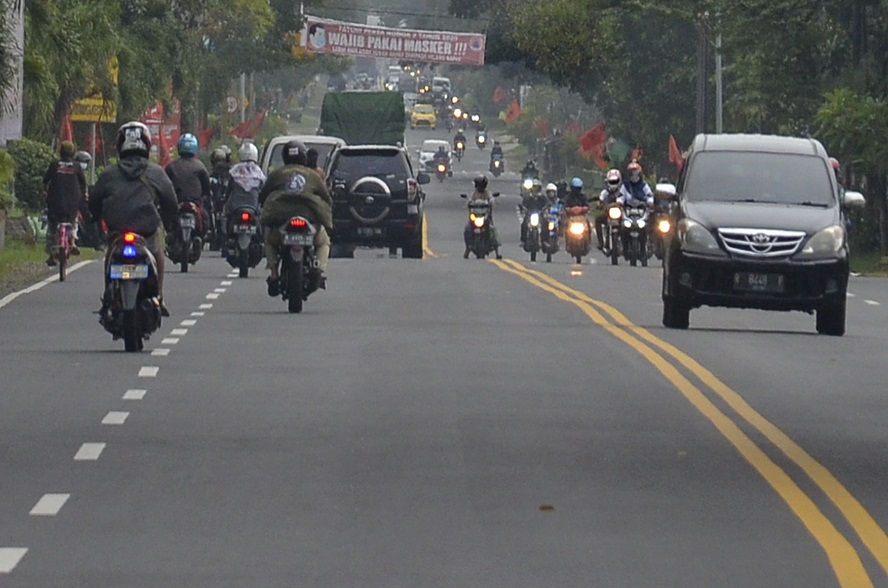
{"points": [[755, 282], [249, 229], [187, 222], [120, 271], [298, 239]]}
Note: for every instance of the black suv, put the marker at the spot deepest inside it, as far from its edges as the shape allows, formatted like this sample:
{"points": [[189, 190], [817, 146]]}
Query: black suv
{"points": [[377, 200], [759, 224]]}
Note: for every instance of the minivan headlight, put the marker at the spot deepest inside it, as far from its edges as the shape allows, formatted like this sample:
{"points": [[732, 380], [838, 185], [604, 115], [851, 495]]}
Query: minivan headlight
{"points": [[825, 243], [696, 238]]}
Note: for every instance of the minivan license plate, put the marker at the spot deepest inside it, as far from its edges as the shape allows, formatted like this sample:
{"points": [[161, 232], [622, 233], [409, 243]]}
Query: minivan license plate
{"points": [[755, 282]]}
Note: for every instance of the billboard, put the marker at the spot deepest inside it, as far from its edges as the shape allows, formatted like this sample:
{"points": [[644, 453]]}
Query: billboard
{"points": [[343, 38], [95, 107]]}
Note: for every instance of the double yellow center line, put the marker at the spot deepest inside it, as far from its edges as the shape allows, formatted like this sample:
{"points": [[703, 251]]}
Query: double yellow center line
{"points": [[842, 555]]}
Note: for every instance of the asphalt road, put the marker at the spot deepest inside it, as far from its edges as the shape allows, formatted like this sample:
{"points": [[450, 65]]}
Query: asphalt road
{"points": [[443, 422]]}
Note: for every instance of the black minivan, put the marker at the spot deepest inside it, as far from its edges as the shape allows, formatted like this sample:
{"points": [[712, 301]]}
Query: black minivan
{"points": [[759, 224]]}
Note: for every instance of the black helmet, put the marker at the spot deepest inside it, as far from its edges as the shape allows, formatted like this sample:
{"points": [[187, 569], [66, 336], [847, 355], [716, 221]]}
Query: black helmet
{"points": [[481, 183], [294, 153], [217, 156]]}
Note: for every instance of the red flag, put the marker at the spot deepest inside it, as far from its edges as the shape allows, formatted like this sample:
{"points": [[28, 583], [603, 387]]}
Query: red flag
{"points": [[675, 153], [66, 130], [592, 137], [240, 131], [599, 155], [163, 150], [513, 112], [499, 94], [636, 154], [256, 125], [205, 136]]}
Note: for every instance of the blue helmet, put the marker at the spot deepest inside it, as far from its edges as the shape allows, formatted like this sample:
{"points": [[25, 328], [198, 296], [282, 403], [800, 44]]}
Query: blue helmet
{"points": [[576, 183], [187, 145]]}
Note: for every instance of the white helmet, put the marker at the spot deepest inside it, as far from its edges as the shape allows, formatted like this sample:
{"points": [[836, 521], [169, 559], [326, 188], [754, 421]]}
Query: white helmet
{"points": [[247, 152], [134, 138], [550, 187], [614, 180]]}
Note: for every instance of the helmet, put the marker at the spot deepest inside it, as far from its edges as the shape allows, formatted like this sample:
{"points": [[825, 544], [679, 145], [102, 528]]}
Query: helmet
{"points": [[218, 155], [441, 148], [133, 138], [480, 183], [536, 186], [82, 157], [247, 152], [576, 183], [227, 151], [66, 149], [495, 143], [634, 170], [294, 153], [530, 163], [550, 187], [613, 179], [187, 145]]}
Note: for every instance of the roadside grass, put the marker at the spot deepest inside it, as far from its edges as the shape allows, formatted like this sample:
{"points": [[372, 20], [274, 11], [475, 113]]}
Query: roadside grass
{"points": [[869, 264], [16, 255]]}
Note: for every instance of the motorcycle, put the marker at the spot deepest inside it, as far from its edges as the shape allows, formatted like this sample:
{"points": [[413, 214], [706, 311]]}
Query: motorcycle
{"points": [[613, 243], [459, 149], [636, 244], [441, 171], [552, 230], [130, 306], [184, 243], [218, 233], [578, 237], [532, 234], [61, 250], [300, 273], [481, 239], [661, 227], [481, 140], [245, 245], [497, 165]]}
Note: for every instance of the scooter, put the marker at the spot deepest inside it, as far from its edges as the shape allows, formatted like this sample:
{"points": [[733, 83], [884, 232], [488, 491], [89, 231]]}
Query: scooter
{"points": [[184, 244], [480, 240], [578, 237], [244, 249], [300, 273]]}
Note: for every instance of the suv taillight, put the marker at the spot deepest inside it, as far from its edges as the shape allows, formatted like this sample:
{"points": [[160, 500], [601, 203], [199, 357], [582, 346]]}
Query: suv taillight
{"points": [[412, 189]]}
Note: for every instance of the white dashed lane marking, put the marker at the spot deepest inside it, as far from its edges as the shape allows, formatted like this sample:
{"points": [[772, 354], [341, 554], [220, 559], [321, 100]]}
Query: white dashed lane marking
{"points": [[226, 283], [179, 332], [50, 505], [220, 290], [188, 323], [205, 306], [134, 394], [115, 418], [872, 302], [148, 371], [170, 341], [198, 313], [89, 452], [850, 295], [212, 296], [159, 352], [10, 557]]}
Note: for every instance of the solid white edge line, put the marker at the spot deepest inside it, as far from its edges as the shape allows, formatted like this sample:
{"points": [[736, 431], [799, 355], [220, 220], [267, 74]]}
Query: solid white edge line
{"points": [[115, 417], [34, 287], [10, 557], [49, 505], [89, 452]]}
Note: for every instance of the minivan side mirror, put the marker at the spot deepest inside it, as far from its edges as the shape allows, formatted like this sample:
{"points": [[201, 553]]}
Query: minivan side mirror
{"points": [[666, 190], [423, 178], [853, 199]]}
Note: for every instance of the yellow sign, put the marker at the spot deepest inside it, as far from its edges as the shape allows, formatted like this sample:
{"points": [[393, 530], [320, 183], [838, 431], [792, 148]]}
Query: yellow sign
{"points": [[94, 107]]}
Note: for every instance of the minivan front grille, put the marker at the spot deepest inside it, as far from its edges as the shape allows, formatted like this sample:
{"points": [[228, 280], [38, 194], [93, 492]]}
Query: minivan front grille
{"points": [[761, 243]]}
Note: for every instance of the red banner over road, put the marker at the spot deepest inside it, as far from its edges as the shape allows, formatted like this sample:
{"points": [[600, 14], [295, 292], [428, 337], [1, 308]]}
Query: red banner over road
{"points": [[343, 38]]}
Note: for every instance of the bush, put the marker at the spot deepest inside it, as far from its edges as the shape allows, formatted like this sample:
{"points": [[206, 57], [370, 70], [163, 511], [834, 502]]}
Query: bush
{"points": [[7, 167], [31, 160]]}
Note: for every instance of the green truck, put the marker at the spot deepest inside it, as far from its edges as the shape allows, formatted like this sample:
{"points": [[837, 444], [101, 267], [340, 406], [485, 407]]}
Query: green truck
{"points": [[362, 118]]}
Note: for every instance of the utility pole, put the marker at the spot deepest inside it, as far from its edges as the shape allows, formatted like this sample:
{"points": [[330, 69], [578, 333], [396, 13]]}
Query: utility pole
{"points": [[702, 60]]}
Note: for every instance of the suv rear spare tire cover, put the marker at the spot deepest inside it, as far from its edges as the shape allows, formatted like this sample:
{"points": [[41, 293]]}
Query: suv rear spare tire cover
{"points": [[370, 198]]}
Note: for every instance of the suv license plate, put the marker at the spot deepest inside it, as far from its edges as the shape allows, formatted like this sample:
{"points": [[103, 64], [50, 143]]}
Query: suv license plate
{"points": [[119, 271], [370, 232], [298, 239], [754, 282]]}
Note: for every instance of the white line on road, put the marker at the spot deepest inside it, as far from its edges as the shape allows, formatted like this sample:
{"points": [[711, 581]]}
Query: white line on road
{"points": [[220, 290], [115, 418], [205, 306], [160, 352], [33, 288], [226, 283], [850, 295], [188, 323], [50, 505], [148, 371], [233, 275], [872, 302], [198, 313], [89, 452], [9, 558], [212, 296], [170, 341], [134, 394], [179, 332]]}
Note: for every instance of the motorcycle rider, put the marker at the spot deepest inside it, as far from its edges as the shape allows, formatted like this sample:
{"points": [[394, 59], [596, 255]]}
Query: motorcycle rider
{"points": [[608, 196], [441, 156], [530, 170], [127, 197], [576, 196], [65, 187], [191, 180], [460, 136], [311, 160], [532, 200], [247, 179], [220, 161], [295, 190], [481, 193], [636, 194], [551, 193]]}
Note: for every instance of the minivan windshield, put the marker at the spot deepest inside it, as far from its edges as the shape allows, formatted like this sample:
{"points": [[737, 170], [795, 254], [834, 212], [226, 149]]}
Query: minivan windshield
{"points": [[739, 176]]}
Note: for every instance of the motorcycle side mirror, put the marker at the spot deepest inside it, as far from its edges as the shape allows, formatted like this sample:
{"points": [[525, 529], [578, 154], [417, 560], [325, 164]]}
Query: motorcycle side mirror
{"points": [[666, 191], [853, 199], [496, 194], [423, 178], [463, 196]]}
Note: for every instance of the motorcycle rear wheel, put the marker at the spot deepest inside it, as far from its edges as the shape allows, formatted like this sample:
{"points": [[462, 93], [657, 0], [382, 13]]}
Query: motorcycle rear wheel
{"points": [[132, 340], [243, 263], [294, 286]]}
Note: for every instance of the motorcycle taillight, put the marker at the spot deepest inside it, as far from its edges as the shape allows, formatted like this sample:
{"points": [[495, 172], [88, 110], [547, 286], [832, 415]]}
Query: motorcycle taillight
{"points": [[246, 216], [129, 238], [298, 223], [412, 187]]}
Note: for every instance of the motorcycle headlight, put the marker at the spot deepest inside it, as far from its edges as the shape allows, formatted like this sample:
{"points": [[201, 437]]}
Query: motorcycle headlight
{"points": [[551, 225], [481, 139], [534, 219], [641, 223], [614, 213], [442, 167], [459, 145], [696, 238], [825, 243], [577, 229], [664, 226], [527, 184], [627, 223], [478, 221]]}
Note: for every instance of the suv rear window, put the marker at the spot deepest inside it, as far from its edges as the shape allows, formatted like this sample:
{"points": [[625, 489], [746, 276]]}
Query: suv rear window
{"points": [[739, 176], [352, 164]]}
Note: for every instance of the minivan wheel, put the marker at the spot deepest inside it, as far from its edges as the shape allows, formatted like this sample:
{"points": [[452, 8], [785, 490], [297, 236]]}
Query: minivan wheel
{"points": [[676, 314], [831, 319]]}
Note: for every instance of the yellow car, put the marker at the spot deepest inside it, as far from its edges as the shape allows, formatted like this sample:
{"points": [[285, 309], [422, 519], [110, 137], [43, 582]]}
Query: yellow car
{"points": [[423, 115]]}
